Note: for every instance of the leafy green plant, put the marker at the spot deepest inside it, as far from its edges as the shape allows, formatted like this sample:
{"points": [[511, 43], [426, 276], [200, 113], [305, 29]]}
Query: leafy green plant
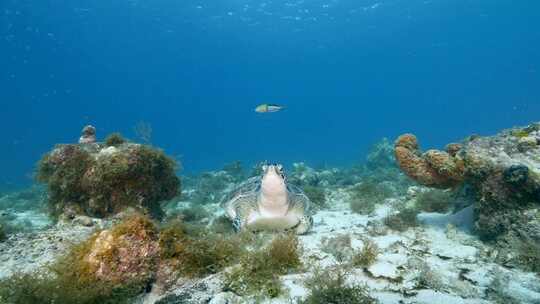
{"points": [[115, 139], [259, 270], [330, 287], [198, 255], [367, 255]]}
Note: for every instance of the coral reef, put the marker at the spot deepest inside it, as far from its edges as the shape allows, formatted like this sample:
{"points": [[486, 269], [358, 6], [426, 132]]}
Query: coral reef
{"points": [[434, 168], [99, 180], [502, 171], [113, 266], [126, 253]]}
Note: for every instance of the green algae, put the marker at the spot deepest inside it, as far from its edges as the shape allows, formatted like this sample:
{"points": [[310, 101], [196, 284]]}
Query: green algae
{"points": [[115, 139], [367, 255], [331, 287], [258, 271], [83, 182]]}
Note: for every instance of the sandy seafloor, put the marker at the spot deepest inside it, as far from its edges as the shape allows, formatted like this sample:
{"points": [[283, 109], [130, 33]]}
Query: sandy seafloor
{"points": [[442, 251]]}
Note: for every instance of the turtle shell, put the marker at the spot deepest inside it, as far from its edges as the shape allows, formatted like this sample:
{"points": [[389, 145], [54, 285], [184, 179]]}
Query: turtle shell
{"points": [[245, 196]]}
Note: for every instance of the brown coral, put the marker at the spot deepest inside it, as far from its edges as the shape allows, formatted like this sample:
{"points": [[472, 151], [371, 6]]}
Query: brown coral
{"points": [[434, 168]]}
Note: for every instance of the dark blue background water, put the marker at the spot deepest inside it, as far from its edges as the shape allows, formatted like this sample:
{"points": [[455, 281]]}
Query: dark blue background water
{"points": [[349, 71]]}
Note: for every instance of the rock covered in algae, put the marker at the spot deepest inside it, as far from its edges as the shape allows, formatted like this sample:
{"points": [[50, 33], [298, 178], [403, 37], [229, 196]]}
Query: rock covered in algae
{"points": [[98, 180], [126, 253], [503, 171]]}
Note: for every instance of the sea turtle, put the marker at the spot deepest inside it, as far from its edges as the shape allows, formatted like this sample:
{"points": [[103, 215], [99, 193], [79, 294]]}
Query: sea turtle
{"points": [[268, 202]]}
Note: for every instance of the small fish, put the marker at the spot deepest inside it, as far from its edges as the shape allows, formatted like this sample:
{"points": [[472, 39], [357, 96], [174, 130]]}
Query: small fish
{"points": [[268, 108]]}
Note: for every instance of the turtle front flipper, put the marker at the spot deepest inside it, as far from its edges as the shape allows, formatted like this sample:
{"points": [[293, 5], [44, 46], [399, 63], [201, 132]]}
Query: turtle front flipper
{"points": [[242, 207], [305, 224]]}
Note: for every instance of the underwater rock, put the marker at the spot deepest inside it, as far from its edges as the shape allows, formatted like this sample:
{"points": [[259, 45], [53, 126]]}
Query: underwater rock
{"points": [[125, 253], [88, 135], [99, 180], [502, 171]]}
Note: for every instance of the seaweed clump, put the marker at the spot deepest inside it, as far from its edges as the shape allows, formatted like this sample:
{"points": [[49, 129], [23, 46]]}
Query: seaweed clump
{"points": [[113, 266], [199, 255], [101, 181], [331, 287], [367, 255], [259, 270], [114, 140]]}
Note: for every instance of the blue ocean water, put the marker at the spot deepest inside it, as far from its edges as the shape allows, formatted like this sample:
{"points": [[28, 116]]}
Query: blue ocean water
{"points": [[348, 71]]}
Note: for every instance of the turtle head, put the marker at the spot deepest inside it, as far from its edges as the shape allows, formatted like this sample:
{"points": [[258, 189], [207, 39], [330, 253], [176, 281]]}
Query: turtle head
{"points": [[273, 180]]}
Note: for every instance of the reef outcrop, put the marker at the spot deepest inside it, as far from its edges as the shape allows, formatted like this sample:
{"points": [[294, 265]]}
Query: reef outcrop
{"points": [[502, 170], [125, 254], [99, 179], [434, 168]]}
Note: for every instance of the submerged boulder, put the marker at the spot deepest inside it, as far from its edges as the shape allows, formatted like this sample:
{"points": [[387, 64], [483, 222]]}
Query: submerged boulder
{"points": [[98, 180], [502, 170], [125, 254]]}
